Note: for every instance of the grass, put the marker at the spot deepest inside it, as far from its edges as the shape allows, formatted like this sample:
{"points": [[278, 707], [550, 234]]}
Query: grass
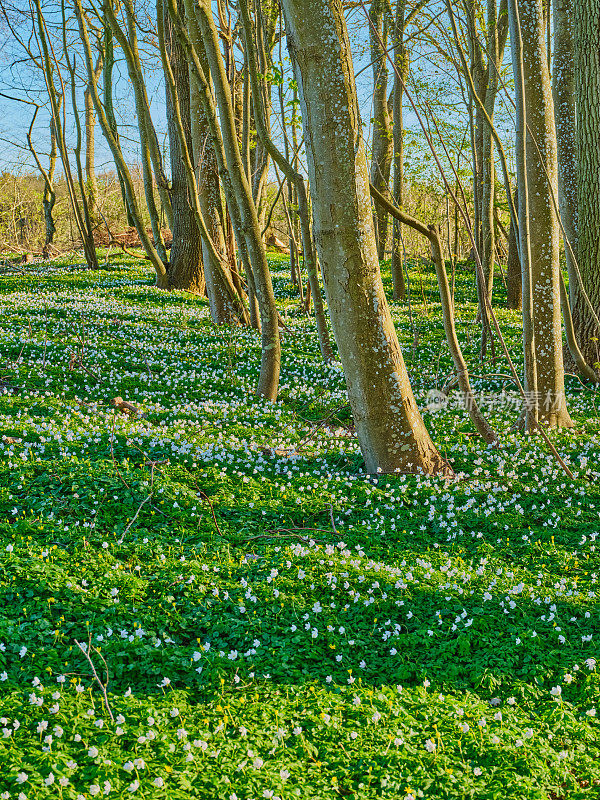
{"points": [[270, 623]]}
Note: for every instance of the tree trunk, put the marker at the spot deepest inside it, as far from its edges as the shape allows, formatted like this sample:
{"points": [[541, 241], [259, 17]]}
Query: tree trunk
{"points": [[295, 179], [488, 172], [389, 426], [113, 143], [90, 142], [514, 286], [587, 77], [401, 71], [538, 226], [222, 307], [185, 267], [382, 145], [563, 90], [109, 62], [49, 196]]}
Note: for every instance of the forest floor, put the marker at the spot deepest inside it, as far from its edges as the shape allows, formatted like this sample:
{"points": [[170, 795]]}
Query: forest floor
{"points": [[268, 621]]}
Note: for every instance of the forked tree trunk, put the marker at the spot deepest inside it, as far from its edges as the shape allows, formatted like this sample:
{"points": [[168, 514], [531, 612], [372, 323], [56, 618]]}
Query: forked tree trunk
{"points": [[538, 226], [113, 143], [389, 426]]}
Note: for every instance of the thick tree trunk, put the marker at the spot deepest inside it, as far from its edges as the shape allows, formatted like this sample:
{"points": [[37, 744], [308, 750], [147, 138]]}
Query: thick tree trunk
{"points": [[185, 267], [390, 430], [538, 225], [587, 76]]}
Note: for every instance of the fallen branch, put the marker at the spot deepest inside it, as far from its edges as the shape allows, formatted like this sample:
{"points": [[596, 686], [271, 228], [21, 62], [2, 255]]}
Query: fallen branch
{"points": [[86, 653]]}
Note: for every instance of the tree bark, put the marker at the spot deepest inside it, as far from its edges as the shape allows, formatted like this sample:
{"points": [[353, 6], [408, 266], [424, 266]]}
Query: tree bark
{"points": [[514, 286], [90, 142], [563, 90], [185, 267], [389, 426], [382, 142], [587, 77], [537, 179], [223, 308], [401, 72]]}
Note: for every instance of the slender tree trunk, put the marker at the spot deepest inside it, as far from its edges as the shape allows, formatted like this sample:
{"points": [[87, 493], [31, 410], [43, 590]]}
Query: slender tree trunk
{"points": [[462, 373], [149, 151], [488, 182], [514, 286], [51, 68], [109, 62], [401, 63], [49, 196], [90, 142], [480, 84], [382, 145], [112, 141], [388, 423]]}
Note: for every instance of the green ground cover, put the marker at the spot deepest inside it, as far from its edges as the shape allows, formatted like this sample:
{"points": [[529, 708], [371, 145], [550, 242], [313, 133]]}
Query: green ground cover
{"points": [[275, 624]]}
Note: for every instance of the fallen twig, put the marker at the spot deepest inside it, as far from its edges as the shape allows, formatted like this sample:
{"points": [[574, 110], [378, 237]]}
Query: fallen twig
{"points": [[135, 516], [86, 653]]}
